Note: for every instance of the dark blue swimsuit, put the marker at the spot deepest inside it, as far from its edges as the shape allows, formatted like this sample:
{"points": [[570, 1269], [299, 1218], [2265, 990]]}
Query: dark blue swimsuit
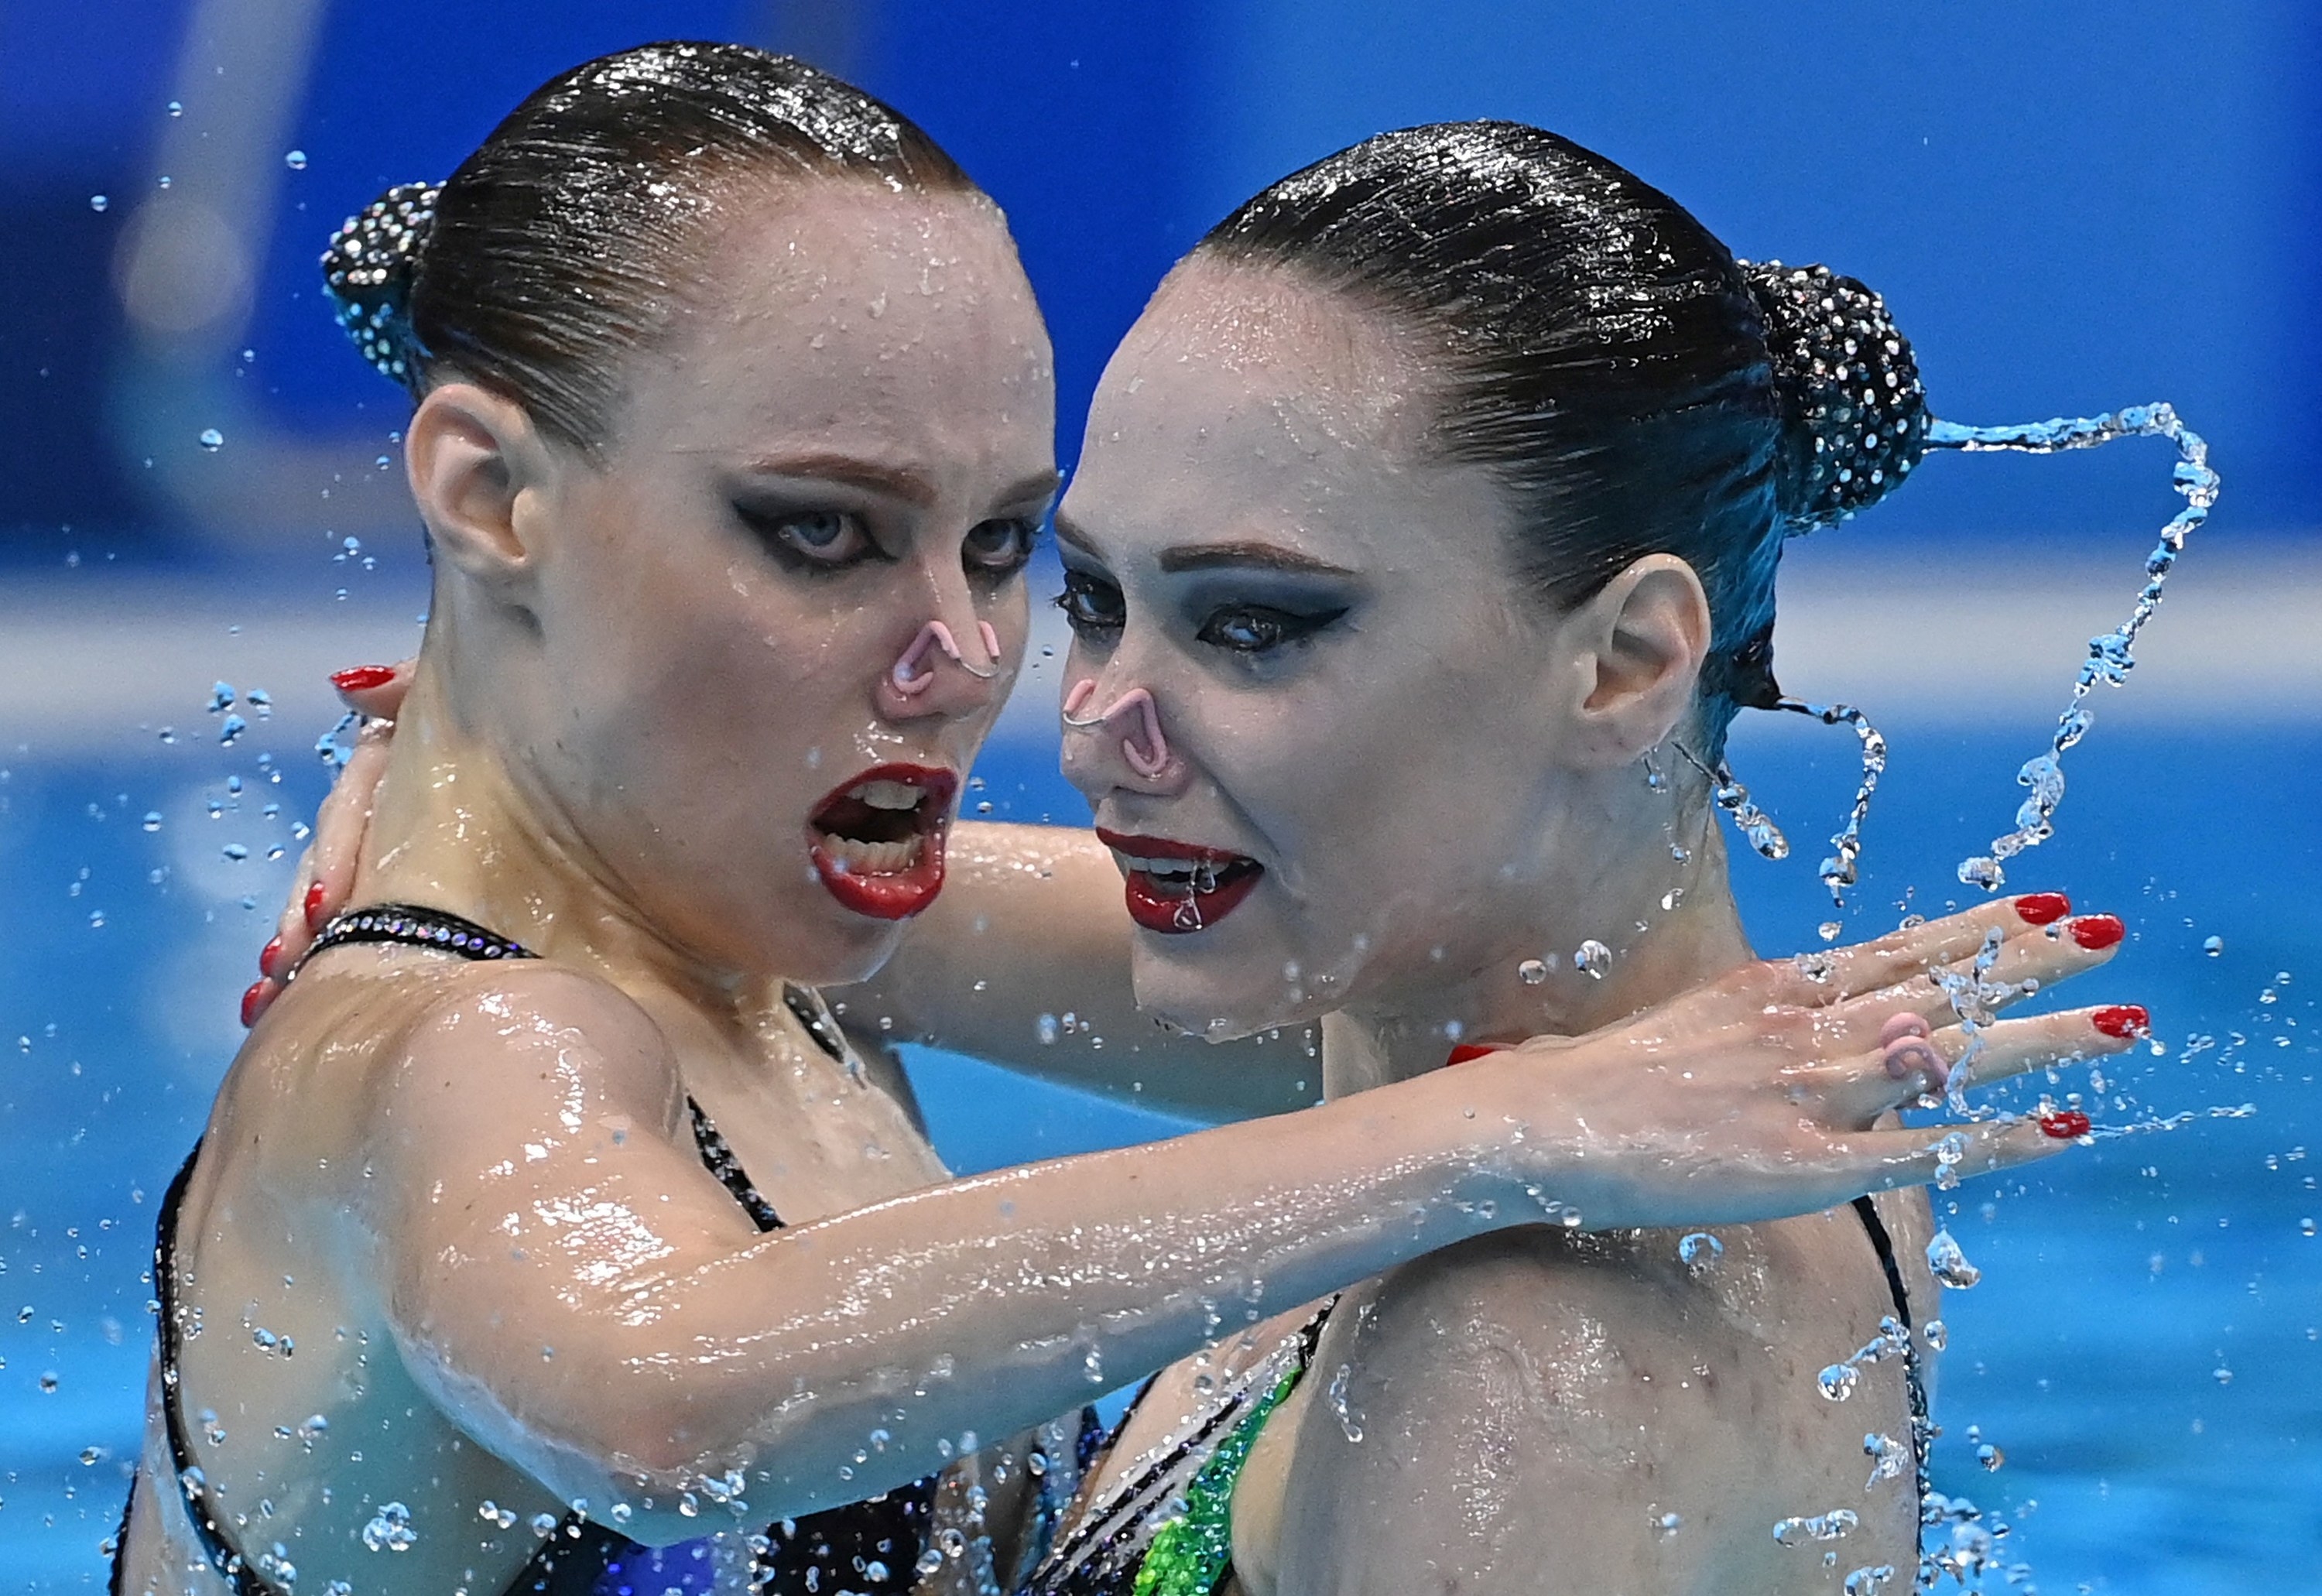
{"points": [[869, 1546]]}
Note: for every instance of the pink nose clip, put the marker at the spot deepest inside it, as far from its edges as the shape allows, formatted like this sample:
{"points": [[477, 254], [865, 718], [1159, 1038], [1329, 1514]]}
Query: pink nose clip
{"points": [[909, 678], [1148, 761]]}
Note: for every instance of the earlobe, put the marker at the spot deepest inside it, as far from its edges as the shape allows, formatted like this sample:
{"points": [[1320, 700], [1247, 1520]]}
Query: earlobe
{"points": [[471, 457], [1645, 634]]}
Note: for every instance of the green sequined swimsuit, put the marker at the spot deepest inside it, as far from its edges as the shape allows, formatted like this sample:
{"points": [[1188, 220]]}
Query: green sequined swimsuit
{"points": [[1167, 1529]]}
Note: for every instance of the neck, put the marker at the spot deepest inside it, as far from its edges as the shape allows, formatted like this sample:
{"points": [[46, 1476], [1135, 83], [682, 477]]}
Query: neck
{"points": [[1487, 999], [456, 826]]}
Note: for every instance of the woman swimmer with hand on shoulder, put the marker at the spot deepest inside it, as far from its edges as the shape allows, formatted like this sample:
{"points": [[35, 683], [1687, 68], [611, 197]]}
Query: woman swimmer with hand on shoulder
{"points": [[591, 1229]]}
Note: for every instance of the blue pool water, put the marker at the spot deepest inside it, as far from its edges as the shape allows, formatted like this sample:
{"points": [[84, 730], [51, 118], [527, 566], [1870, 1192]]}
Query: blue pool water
{"points": [[2144, 1346]]}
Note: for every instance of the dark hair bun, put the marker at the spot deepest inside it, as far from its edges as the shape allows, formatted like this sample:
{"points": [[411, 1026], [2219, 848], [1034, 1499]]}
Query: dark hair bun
{"points": [[370, 267], [1853, 406]]}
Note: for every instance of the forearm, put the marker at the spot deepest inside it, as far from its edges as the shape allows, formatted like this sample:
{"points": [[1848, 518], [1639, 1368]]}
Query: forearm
{"points": [[1024, 961], [841, 1358]]}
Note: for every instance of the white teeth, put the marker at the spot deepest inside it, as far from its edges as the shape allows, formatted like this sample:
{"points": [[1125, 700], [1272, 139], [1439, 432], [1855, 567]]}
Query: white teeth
{"points": [[887, 795], [858, 857]]}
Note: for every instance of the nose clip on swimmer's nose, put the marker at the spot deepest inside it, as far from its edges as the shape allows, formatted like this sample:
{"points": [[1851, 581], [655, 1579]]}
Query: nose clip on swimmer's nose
{"points": [[1147, 762], [909, 679]]}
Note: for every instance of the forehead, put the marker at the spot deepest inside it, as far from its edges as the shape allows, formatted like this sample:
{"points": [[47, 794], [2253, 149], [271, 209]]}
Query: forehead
{"points": [[894, 323], [1253, 399]]}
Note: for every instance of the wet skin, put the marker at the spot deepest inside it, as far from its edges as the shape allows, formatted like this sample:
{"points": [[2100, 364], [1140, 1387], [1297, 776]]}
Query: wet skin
{"points": [[632, 713], [1439, 781]]}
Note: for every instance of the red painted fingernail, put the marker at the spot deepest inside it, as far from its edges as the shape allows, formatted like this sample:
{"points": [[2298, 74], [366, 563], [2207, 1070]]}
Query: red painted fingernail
{"points": [[315, 906], [273, 951], [2094, 931], [356, 678], [254, 999], [2039, 909], [2122, 1019], [1464, 1052], [2063, 1125]]}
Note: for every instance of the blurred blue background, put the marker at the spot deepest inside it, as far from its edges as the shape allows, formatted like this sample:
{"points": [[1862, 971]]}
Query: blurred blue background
{"points": [[2069, 208]]}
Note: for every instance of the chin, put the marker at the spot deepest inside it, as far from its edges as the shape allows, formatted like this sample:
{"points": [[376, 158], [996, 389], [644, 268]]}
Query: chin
{"points": [[1220, 987]]}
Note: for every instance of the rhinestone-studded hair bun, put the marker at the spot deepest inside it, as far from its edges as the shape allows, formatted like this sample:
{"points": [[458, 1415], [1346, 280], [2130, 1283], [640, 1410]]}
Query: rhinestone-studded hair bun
{"points": [[1852, 397], [368, 269]]}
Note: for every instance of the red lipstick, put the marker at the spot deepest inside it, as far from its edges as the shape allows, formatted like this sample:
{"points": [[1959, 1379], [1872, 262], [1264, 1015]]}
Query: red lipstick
{"points": [[1175, 888], [877, 841]]}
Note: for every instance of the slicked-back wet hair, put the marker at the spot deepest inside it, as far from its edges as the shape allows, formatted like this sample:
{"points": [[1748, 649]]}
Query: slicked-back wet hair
{"points": [[557, 248], [1605, 357]]}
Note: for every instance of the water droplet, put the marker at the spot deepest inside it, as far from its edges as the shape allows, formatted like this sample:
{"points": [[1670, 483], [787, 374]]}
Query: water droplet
{"points": [[1691, 1245], [175, 108], [1592, 958], [296, 160], [1838, 1381], [2215, 946], [1889, 1457], [544, 1525], [1531, 972], [1337, 1395], [152, 820], [1668, 1525], [389, 1529], [1830, 930], [212, 439], [1937, 1333], [1991, 1458], [1045, 1027], [1835, 1525], [1948, 1264], [98, 202], [1869, 1580]]}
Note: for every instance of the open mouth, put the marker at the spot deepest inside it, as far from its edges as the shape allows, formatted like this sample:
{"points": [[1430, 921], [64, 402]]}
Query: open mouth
{"points": [[1175, 888], [878, 842]]}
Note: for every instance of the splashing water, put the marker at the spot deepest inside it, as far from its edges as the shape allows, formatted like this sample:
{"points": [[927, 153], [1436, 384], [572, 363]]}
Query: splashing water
{"points": [[2110, 656], [1756, 827], [389, 1529], [1976, 1000], [1838, 871], [1947, 1261], [1837, 1382], [1888, 1458], [1835, 1525]]}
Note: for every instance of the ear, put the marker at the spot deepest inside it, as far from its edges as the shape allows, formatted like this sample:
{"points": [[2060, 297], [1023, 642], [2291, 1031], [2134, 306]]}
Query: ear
{"points": [[1639, 644], [478, 469]]}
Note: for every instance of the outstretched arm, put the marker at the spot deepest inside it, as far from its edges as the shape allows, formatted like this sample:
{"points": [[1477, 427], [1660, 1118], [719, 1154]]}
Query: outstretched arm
{"points": [[575, 1290]]}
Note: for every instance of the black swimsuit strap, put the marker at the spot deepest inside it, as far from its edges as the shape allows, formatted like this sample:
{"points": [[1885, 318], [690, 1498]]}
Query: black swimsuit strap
{"points": [[193, 1488], [1923, 1432], [889, 1528]]}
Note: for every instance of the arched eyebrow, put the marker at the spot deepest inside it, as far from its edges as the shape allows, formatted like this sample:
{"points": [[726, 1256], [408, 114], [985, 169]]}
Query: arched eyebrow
{"points": [[894, 481], [1184, 557], [1263, 556]]}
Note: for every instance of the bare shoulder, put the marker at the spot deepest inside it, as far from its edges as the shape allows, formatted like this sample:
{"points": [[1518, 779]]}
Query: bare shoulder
{"points": [[1524, 1412], [520, 1053]]}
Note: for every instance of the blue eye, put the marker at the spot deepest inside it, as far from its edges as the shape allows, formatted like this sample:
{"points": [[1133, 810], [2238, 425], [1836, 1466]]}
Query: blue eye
{"points": [[1093, 606], [1261, 628], [998, 547], [822, 539]]}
